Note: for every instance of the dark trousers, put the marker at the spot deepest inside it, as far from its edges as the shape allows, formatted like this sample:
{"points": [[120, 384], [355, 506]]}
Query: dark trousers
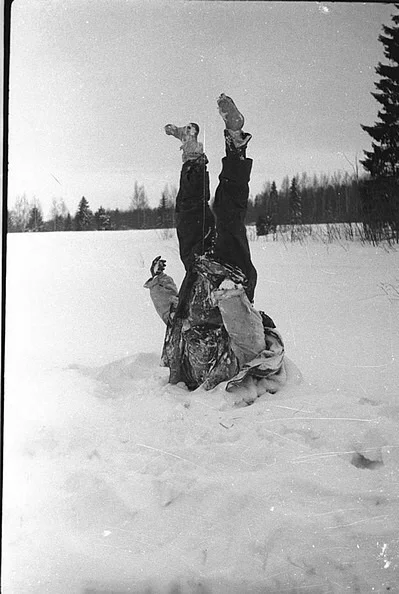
{"points": [[224, 234]]}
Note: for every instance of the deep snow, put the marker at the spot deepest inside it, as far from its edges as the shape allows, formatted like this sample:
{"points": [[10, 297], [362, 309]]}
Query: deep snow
{"points": [[115, 481]]}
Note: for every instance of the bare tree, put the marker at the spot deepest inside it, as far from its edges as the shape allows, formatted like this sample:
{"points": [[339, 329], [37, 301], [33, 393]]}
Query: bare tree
{"points": [[20, 213], [35, 222], [355, 165], [58, 214], [139, 204]]}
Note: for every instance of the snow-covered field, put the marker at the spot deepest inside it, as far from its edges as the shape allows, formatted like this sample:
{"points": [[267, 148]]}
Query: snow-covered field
{"points": [[115, 481]]}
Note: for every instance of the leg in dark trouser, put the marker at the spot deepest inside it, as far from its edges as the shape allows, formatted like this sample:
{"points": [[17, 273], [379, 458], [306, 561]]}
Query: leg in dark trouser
{"points": [[194, 220], [195, 227], [195, 223], [230, 207]]}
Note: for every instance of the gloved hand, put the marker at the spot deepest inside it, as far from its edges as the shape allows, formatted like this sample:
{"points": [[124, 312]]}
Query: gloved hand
{"points": [[158, 265]]}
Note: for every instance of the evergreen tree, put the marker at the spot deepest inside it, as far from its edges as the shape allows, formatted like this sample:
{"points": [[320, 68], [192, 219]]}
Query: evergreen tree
{"points": [[103, 221], [284, 200], [273, 206], [380, 194], [383, 160], [116, 219], [83, 217], [164, 209], [68, 222], [261, 226], [35, 222], [295, 203], [259, 203]]}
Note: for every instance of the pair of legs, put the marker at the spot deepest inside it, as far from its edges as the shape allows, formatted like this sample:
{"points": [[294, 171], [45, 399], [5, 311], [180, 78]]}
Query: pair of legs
{"points": [[223, 233], [220, 234]]}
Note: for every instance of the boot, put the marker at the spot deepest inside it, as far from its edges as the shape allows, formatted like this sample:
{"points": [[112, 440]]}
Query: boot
{"points": [[233, 119]]}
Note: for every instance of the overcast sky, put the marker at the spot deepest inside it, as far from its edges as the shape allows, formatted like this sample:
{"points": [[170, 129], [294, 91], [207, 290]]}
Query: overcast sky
{"points": [[93, 82]]}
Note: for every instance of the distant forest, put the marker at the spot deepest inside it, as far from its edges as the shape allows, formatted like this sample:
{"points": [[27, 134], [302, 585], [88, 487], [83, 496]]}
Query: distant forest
{"points": [[303, 199]]}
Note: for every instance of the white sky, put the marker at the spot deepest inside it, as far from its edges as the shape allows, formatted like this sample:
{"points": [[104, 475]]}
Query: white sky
{"points": [[92, 83]]}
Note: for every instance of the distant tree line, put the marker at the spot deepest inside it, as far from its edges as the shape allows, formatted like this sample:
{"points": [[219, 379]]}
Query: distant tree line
{"points": [[302, 200], [26, 216], [307, 200]]}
